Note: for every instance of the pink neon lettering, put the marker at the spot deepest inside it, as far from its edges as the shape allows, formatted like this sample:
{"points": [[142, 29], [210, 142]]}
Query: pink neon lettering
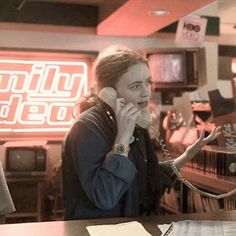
{"points": [[9, 110], [40, 95]]}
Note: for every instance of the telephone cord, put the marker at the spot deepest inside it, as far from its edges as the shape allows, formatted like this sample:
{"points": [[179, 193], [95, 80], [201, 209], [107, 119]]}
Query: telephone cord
{"points": [[179, 175]]}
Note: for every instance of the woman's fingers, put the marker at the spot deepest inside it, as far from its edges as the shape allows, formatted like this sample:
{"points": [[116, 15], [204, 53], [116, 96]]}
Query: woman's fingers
{"points": [[218, 131], [214, 134], [201, 141], [202, 134], [125, 109], [129, 112], [126, 116], [120, 103]]}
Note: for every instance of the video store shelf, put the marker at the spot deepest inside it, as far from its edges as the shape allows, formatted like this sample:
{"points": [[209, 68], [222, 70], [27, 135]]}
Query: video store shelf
{"points": [[22, 215], [211, 182]]}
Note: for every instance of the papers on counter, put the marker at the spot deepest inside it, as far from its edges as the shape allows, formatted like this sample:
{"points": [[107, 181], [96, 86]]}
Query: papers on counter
{"points": [[180, 228], [122, 229], [166, 229], [199, 228]]}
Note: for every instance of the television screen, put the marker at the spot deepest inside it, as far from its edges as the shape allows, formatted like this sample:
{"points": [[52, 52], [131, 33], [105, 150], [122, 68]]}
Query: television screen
{"points": [[21, 159], [167, 67], [25, 161], [175, 70]]}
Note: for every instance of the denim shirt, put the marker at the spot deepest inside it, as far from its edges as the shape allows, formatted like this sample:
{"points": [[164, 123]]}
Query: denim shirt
{"points": [[98, 183]]}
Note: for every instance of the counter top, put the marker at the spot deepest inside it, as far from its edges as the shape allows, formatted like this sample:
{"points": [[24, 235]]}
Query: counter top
{"points": [[78, 227]]}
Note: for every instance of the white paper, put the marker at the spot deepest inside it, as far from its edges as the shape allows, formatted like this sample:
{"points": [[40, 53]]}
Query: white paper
{"points": [[122, 229], [204, 228], [191, 29], [199, 228], [166, 229]]}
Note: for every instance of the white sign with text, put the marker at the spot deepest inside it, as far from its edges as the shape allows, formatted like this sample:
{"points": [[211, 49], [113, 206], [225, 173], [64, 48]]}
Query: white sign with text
{"points": [[191, 30]]}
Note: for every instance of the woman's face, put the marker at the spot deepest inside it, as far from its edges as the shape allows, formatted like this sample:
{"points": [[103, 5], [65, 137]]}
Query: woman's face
{"points": [[135, 85]]}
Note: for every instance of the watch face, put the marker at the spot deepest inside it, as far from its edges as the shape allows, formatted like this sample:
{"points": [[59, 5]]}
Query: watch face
{"points": [[120, 148]]}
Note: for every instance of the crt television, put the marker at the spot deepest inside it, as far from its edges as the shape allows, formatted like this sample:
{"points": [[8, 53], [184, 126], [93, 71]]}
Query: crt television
{"points": [[174, 69], [25, 161]]}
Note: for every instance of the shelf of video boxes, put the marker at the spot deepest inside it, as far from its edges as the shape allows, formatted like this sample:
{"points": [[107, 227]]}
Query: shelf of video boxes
{"points": [[213, 169], [171, 201]]}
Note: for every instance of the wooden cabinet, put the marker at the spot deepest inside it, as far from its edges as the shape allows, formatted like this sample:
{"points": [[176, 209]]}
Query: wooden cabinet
{"points": [[27, 195], [180, 199], [210, 182], [190, 201], [216, 184]]}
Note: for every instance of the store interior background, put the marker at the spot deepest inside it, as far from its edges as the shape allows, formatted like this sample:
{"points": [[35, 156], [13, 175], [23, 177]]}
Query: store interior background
{"points": [[24, 36]]}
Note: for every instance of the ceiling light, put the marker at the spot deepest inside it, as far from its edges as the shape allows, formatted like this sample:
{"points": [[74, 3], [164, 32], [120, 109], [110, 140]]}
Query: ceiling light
{"points": [[159, 12]]}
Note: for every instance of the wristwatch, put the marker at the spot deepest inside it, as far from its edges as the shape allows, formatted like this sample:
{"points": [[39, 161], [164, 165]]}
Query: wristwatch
{"points": [[120, 149]]}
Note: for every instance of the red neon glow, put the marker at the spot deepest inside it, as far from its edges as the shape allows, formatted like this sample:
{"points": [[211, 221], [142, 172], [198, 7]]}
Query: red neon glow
{"points": [[38, 96], [133, 18]]}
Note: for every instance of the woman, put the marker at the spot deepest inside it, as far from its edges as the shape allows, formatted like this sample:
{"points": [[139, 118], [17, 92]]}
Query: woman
{"points": [[109, 168]]}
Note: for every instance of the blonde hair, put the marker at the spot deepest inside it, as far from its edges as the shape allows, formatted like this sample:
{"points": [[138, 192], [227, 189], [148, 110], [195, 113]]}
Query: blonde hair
{"points": [[112, 63]]}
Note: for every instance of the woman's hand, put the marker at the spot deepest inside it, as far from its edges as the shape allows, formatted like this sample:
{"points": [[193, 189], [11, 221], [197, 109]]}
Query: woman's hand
{"points": [[201, 141], [126, 116], [193, 149]]}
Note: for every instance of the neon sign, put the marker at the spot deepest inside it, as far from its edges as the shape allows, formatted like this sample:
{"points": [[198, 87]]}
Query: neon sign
{"points": [[39, 95]]}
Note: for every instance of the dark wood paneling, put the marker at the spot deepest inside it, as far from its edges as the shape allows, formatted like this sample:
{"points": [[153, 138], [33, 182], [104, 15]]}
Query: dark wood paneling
{"points": [[49, 13]]}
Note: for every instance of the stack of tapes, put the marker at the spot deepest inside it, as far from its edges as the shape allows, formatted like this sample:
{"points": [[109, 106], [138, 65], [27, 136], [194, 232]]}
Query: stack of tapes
{"points": [[215, 159]]}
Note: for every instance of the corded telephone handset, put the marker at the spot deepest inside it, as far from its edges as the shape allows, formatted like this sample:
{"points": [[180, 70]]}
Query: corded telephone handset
{"points": [[109, 96]]}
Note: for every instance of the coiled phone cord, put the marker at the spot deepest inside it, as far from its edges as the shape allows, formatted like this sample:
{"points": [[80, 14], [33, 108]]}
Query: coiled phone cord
{"points": [[179, 175]]}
